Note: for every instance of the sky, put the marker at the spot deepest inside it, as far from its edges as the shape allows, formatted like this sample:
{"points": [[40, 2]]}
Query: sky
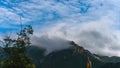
{"points": [[93, 24]]}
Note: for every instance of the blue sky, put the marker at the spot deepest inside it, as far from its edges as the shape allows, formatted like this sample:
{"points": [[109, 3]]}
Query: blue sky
{"points": [[93, 24]]}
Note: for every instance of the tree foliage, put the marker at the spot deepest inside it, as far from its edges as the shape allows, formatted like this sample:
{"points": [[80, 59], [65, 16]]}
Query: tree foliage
{"points": [[16, 48]]}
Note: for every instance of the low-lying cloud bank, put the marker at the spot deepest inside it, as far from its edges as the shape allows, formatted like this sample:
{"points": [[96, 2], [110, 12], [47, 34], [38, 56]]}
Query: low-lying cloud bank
{"points": [[96, 30], [51, 43], [99, 38]]}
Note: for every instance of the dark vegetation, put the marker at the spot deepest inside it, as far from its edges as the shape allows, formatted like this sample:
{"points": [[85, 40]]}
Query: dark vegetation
{"points": [[15, 50]]}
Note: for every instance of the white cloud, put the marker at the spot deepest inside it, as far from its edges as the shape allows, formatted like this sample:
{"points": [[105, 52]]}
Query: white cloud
{"points": [[90, 23], [8, 16], [96, 36], [93, 30]]}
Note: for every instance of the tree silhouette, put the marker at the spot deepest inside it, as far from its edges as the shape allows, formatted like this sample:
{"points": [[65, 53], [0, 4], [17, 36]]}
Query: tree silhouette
{"points": [[16, 48]]}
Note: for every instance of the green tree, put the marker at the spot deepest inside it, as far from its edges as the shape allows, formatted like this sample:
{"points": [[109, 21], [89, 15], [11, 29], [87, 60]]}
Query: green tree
{"points": [[16, 50]]}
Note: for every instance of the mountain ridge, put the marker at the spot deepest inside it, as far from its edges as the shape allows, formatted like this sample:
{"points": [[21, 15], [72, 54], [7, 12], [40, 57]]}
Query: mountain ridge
{"points": [[73, 57]]}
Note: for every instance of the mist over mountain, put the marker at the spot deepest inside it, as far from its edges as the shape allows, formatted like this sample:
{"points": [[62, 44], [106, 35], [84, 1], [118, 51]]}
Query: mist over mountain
{"points": [[74, 56], [50, 43], [94, 41]]}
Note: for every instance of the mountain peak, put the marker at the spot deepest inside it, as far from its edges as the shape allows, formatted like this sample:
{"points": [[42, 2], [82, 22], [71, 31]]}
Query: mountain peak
{"points": [[77, 48]]}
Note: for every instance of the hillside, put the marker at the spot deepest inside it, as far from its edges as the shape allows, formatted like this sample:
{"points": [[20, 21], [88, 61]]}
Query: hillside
{"points": [[72, 57]]}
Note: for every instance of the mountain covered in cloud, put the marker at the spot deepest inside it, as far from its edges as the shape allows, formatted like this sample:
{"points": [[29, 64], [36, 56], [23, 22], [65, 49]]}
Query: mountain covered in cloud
{"points": [[72, 57]]}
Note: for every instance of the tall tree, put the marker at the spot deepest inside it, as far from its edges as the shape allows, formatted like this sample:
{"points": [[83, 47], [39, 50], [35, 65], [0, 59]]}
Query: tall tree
{"points": [[16, 48]]}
